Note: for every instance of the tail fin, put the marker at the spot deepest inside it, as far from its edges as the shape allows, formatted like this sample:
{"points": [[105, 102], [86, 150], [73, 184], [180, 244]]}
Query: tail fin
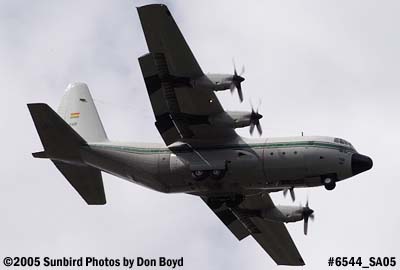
{"points": [[62, 145], [79, 111]]}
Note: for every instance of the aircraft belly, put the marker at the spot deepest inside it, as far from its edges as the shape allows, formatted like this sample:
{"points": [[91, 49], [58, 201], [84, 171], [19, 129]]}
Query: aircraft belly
{"points": [[243, 170], [138, 168]]}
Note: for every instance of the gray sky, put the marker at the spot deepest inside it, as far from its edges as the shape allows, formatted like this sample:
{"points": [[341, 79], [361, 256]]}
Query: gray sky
{"points": [[322, 67]]}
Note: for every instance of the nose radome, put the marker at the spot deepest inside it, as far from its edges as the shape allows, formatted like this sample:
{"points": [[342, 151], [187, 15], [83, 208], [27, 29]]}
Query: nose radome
{"points": [[360, 163]]}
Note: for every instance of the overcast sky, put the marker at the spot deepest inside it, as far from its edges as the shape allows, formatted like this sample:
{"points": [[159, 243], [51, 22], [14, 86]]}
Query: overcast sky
{"points": [[322, 67]]}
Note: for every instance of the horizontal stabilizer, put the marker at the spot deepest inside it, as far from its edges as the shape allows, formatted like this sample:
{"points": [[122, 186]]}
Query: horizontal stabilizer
{"points": [[62, 145], [86, 180], [41, 154], [59, 140]]}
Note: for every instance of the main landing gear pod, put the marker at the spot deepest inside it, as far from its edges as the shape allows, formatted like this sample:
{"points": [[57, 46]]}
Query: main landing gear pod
{"points": [[216, 174]]}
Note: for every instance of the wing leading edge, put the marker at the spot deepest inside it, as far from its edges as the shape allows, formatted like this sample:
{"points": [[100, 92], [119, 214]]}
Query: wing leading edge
{"points": [[273, 237]]}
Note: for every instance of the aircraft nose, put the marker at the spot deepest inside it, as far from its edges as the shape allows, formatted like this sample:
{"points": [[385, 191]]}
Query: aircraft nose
{"points": [[360, 163]]}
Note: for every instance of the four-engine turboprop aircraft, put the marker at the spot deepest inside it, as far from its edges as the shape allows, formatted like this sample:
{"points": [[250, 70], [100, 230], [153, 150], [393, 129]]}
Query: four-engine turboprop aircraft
{"points": [[203, 155]]}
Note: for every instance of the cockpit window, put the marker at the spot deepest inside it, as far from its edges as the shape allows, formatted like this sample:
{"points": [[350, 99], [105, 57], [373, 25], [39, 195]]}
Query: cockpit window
{"points": [[341, 141]]}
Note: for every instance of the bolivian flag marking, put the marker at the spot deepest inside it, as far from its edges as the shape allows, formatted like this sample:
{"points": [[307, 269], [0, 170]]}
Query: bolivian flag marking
{"points": [[74, 115]]}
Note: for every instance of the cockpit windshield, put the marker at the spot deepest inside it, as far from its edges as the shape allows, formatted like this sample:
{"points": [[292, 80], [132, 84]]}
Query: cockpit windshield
{"points": [[341, 141]]}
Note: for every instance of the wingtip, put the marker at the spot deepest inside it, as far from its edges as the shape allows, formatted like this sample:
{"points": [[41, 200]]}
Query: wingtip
{"points": [[35, 104], [97, 203], [32, 107], [41, 154], [151, 6]]}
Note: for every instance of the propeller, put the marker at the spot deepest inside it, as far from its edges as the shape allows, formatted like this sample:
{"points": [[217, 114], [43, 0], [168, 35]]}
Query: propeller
{"points": [[307, 213], [292, 195], [237, 79], [255, 120]]}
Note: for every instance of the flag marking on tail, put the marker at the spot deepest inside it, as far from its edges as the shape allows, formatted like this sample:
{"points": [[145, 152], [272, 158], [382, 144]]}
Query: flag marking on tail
{"points": [[74, 115]]}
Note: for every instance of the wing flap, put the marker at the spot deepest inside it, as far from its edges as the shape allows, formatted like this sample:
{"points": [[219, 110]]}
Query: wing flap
{"points": [[163, 99], [230, 220]]}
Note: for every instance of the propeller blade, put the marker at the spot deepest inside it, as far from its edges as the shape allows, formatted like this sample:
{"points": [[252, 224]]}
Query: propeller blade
{"points": [[292, 195], [307, 213], [252, 128], [240, 93], [259, 105], [259, 129], [305, 225], [242, 71], [232, 88], [237, 80], [234, 67]]}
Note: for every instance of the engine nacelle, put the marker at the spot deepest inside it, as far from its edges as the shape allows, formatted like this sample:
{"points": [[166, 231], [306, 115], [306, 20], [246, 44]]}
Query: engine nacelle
{"points": [[283, 213], [216, 82], [235, 119], [221, 81]]}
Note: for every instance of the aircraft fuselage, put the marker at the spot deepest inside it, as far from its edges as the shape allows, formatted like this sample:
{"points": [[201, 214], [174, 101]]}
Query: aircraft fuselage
{"points": [[269, 164]]}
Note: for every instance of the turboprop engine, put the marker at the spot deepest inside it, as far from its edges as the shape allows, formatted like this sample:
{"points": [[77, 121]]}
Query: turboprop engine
{"points": [[283, 213], [237, 119], [220, 82], [286, 214]]}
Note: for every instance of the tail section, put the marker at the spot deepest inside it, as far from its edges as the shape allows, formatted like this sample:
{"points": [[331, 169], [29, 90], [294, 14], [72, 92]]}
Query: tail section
{"points": [[78, 110], [63, 140]]}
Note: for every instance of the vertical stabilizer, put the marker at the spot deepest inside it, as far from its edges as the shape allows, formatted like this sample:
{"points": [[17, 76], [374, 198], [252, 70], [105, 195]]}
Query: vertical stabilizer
{"points": [[79, 111]]}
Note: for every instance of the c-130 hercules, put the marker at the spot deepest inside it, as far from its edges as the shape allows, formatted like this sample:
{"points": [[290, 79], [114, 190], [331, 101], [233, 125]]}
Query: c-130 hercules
{"points": [[203, 155]]}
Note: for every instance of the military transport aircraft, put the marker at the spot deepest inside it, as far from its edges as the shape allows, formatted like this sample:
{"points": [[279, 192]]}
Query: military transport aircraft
{"points": [[203, 155]]}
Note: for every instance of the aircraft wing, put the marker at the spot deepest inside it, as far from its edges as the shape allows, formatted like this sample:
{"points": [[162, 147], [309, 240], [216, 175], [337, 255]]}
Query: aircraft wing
{"points": [[273, 237], [227, 217], [181, 108]]}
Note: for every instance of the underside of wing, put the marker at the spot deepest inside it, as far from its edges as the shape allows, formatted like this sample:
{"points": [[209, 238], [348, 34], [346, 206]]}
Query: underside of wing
{"points": [[230, 220], [272, 236], [163, 36], [181, 108]]}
